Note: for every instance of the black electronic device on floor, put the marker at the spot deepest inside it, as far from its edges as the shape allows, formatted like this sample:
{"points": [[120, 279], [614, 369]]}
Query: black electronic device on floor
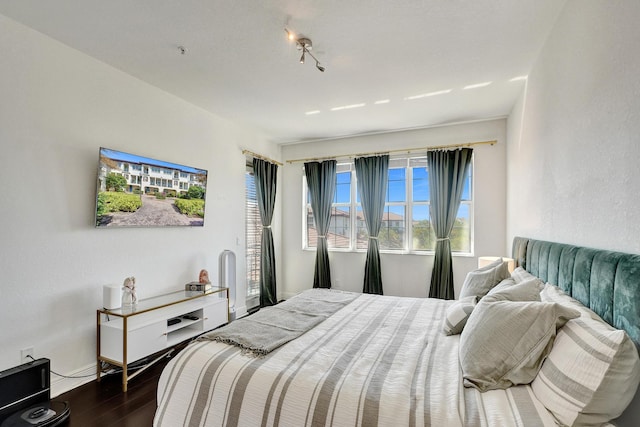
{"points": [[25, 397]]}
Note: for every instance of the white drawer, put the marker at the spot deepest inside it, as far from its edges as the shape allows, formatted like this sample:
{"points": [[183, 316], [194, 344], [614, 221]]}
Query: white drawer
{"points": [[216, 314], [141, 342]]}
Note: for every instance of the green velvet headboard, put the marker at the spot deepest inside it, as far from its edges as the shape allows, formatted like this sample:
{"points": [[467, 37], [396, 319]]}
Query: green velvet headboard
{"points": [[605, 281]]}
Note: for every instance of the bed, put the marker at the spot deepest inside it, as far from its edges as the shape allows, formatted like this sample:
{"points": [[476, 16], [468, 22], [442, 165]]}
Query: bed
{"points": [[383, 360]]}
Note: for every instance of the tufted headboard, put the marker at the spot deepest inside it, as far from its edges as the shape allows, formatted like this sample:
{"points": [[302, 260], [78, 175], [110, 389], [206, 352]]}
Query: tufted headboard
{"points": [[605, 281]]}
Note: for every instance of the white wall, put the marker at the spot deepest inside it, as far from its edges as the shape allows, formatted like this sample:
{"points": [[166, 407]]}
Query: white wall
{"points": [[404, 275], [57, 107], [574, 137]]}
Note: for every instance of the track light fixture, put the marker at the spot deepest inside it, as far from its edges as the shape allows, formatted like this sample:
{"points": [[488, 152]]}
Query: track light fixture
{"points": [[305, 45]]}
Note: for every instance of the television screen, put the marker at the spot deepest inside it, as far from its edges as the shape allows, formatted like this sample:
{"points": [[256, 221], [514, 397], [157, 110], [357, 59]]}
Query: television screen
{"points": [[137, 191]]}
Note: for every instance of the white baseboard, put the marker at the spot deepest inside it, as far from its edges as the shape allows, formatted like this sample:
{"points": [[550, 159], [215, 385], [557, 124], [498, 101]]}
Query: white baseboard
{"points": [[61, 385], [241, 311]]}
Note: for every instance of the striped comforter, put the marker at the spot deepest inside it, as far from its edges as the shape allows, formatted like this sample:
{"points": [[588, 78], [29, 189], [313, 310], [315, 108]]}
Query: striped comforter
{"points": [[379, 361]]}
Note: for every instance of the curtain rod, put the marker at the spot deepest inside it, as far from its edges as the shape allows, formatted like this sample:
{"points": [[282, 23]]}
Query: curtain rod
{"points": [[403, 150], [259, 156]]}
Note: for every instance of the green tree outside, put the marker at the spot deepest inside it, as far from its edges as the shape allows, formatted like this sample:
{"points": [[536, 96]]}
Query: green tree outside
{"points": [[195, 192], [115, 182], [424, 237]]}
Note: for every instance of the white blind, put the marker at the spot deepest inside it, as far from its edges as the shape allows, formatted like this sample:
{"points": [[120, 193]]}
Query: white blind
{"points": [[253, 233]]}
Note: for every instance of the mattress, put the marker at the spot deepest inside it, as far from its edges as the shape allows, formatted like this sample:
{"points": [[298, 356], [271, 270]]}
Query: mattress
{"points": [[379, 361]]}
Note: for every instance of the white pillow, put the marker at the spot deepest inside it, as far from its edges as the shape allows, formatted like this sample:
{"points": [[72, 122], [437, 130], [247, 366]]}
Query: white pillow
{"points": [[457, 314], [479, 282], [504, 284], [592, 371]]}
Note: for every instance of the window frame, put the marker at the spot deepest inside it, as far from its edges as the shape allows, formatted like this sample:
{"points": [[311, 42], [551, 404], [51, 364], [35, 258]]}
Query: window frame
{"points": [[408, 204]]}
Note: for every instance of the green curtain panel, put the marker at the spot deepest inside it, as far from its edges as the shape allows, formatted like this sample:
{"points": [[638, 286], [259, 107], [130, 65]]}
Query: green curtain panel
{"points": [[372, 174], [321, 181], [447, 171], [266, 175]]}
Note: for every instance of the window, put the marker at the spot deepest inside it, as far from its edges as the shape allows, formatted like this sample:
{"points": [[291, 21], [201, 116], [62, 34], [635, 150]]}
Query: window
{"points": [[253, 234], [339, 234], [406, 222]]}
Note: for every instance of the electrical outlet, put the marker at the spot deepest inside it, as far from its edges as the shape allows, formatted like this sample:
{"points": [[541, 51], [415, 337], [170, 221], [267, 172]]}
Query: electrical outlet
{"points": [[26, 354]]}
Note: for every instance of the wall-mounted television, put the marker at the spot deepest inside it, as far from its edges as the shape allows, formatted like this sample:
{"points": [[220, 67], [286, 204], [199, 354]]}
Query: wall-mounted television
{"points": [[138, 191]]}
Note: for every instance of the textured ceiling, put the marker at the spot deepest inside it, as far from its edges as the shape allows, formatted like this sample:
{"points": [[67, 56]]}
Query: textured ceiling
{"points": [[239, 65]]}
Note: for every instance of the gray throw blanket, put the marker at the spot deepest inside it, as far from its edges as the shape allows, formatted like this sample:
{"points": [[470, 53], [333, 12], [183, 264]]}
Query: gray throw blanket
{"points": [[274, 326]]}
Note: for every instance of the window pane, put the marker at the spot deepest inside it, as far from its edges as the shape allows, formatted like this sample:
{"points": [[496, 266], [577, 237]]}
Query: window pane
{"points": [[392, 231], [420, 185], [343, 188], [343, 177], [466, 191], [312, 234], [423, 235], [339, 233], [362, 236], [396, 187], [461, 233]]}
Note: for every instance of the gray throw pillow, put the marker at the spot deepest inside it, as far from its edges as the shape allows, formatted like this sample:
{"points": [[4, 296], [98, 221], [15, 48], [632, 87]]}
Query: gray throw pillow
{"points": [[479, 282], [523, 291], [457, 314], [521, 275], [505, 342]]}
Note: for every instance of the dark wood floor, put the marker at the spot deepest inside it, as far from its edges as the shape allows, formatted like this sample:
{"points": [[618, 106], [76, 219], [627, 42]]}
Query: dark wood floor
{"points": [[104, 404]]}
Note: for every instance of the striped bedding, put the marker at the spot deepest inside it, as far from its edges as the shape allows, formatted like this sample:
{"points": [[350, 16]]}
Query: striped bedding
{"points": [[379, 361]]}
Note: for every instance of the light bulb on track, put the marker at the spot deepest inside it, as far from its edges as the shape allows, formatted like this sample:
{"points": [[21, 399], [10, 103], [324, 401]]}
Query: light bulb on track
{"points": [[305, 45]]}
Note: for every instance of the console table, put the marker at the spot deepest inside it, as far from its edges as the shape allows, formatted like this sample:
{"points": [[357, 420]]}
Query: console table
{"points": [[128, 334]]}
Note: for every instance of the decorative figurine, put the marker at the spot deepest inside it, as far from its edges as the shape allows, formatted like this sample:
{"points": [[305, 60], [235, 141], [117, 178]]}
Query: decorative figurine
{"points": [[204, 276], [129, 297]]}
